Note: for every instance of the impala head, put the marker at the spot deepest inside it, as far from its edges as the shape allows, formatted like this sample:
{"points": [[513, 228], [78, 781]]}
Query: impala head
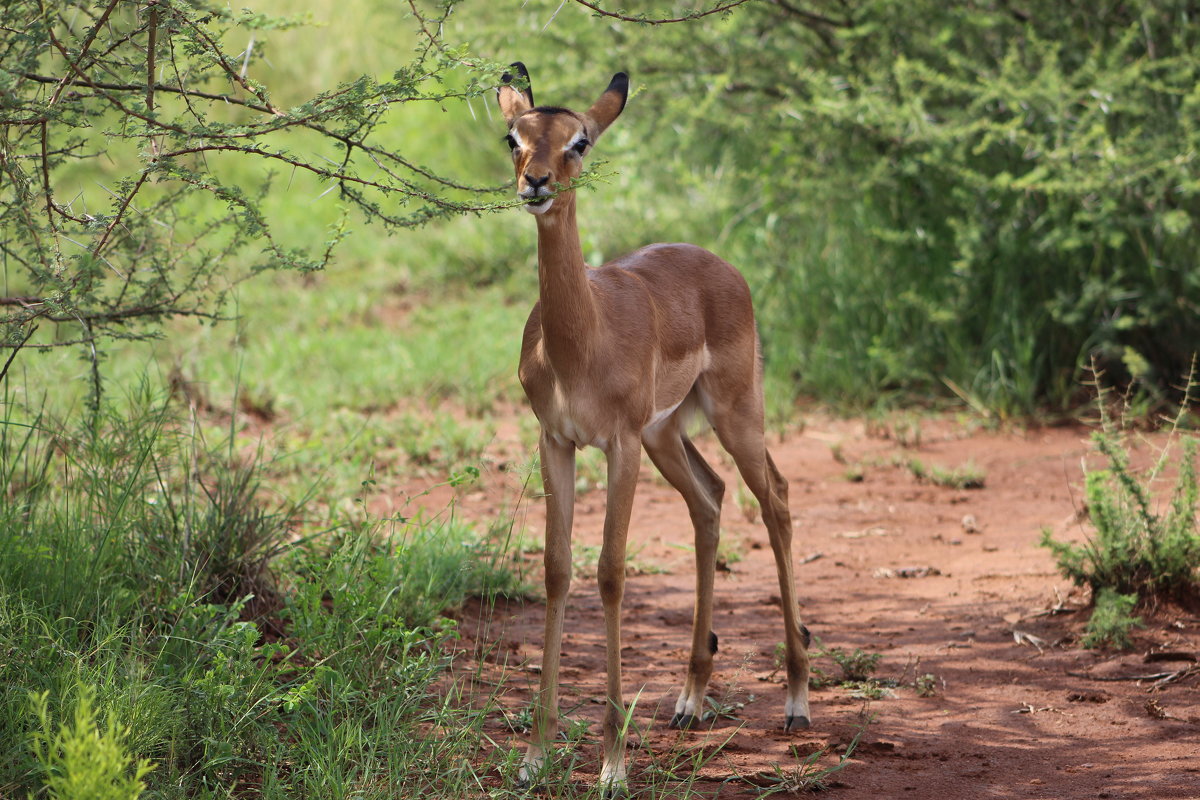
{"points": [[548, 143]]}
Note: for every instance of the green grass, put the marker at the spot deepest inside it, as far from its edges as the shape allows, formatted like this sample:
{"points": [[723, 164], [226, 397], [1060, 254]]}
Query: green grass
{"points": [[157, 599], [968, 475]]}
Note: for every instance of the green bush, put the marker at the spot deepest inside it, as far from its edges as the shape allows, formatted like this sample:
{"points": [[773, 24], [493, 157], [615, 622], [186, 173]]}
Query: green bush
{"points": [[214, 639], [1112, 620], [82, 761], [1135, 551], [927, 197]]}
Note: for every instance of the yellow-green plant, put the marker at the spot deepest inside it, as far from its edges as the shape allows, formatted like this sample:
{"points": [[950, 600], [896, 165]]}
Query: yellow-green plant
{"points": [[82, 759]]}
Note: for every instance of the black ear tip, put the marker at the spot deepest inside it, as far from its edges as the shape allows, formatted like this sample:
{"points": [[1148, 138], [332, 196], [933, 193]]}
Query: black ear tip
{"points": [[620, 85], [520, 68], [507, 78]]}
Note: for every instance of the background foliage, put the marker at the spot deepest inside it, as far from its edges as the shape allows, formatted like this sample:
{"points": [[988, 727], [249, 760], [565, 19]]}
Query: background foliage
{"points": [[978, 199], [930, 201]]}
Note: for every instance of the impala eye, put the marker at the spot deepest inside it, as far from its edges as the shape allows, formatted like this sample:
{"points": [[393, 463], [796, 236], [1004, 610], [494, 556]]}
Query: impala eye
{"points": [[580, 146], [512, 143]]}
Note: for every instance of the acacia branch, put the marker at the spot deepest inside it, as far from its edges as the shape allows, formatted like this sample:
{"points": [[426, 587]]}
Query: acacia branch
{"points": [[406, 187], [645, 21], [16, 349], [46, 179], [810, 16], [74, 65], [233, 74], [120, 214], [153, 37], [158, 87]]}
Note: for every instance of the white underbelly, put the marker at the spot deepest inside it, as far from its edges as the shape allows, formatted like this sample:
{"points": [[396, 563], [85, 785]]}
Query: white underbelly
{"points": [[659, 416]]}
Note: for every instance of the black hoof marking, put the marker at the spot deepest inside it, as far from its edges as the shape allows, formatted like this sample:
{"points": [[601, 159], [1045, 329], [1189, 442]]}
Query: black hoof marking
{"points": [[796, 724], [616, 790], [806, 636], [684, 721]]}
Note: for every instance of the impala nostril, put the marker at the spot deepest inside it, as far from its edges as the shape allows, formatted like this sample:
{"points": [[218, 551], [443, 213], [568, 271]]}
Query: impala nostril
{"points": [[536, 183]]}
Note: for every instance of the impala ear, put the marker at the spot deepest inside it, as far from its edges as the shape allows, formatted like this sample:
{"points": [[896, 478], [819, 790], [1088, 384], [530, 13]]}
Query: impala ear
{"points": [[514, 102], [609, 106]]}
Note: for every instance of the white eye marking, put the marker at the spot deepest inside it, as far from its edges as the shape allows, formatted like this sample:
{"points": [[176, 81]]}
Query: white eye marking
{"points": [[579, 138], [516, 137]]}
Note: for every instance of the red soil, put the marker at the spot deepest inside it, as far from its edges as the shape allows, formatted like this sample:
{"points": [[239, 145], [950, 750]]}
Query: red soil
{"points": [[1020, 710]]}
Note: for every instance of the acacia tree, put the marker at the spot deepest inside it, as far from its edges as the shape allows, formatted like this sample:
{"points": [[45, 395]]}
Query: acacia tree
{"points": [[156, 89]]}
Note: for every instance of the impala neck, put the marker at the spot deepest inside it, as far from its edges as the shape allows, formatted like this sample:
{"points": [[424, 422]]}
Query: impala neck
{"points": [[568, 308]]}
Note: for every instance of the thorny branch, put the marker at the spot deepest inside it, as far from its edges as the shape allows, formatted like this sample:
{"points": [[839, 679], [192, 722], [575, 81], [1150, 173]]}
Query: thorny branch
{"points": [[109, 90], [644, 20]]}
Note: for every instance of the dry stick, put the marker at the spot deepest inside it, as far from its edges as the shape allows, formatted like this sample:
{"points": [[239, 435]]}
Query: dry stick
{"points": [[432, 40], [1161, 677], [120, 215], [410, 189], [121, 106], [1177, 676]]}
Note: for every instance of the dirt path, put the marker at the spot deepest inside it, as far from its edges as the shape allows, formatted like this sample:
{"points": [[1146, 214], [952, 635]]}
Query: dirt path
{"points": [[1009, 719]]}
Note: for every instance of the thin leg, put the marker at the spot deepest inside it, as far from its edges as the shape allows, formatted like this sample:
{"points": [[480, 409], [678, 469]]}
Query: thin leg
{"points": [[558, 477], [741, 433], [702, 489], [624, 458]]}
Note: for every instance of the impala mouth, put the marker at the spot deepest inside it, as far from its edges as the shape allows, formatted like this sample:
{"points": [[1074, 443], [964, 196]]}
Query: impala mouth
{"points": [[538, 204]]}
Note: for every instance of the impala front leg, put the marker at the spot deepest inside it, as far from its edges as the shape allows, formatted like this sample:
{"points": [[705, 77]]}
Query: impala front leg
{"points": [[558, 477], [624, 458]]}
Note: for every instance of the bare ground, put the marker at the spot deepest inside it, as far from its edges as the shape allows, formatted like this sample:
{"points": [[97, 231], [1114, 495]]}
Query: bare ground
{"points": [[1019, 709]]}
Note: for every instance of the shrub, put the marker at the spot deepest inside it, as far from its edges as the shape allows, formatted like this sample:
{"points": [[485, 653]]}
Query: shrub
{"points": [[1135, 551], [83, 760], [1112, 620], [857, 666], [930, 197]]}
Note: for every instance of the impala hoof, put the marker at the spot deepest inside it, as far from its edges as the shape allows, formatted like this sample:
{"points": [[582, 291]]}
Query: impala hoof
{"points": [[686, 722], [797, 723], [616, 791], [682, 721]]}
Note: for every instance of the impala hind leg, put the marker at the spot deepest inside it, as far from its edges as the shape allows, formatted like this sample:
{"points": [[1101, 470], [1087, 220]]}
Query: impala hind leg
{"points": [[558, 476], [741, 433], [702, 489]]}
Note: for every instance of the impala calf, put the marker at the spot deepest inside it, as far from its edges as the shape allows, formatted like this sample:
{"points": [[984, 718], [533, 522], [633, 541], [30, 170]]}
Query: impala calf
{"points": [[617, 358]]}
